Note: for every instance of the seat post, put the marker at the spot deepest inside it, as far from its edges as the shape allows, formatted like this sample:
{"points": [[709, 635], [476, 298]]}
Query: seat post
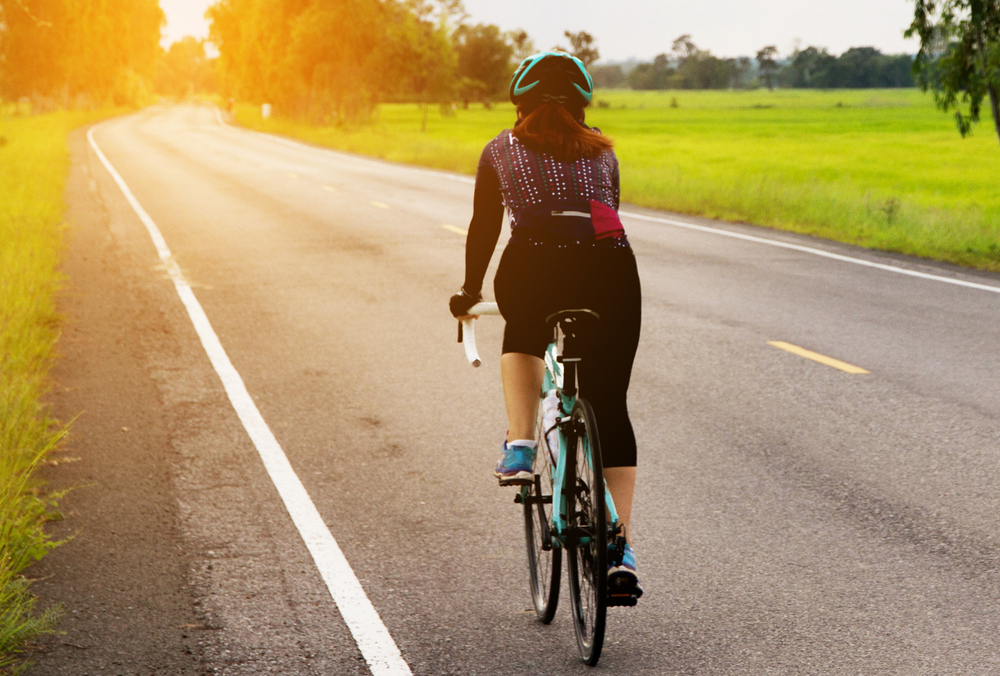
{"points": [[571, 322], [569, 359]]}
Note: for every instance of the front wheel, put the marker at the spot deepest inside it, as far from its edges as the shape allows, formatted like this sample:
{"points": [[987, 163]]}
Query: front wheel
{"points": [[544, 557], [587, 533]]}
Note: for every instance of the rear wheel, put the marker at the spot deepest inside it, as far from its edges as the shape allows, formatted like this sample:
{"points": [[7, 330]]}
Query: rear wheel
{"points": [[588, 538], [544, 559]]}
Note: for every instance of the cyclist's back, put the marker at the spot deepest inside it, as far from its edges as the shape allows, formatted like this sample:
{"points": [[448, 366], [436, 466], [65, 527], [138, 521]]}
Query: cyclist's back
{"points": [[568, 200]]}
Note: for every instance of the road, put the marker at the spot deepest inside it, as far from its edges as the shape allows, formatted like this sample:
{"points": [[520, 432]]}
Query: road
{"points": [[791, 518]]}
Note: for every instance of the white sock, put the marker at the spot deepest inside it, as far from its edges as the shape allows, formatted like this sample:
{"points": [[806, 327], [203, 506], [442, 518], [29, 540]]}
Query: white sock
{"points": [[530, 443]]}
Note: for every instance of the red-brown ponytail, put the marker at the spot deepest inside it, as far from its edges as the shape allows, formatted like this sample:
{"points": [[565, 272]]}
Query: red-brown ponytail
{"points": [[554, 130]]}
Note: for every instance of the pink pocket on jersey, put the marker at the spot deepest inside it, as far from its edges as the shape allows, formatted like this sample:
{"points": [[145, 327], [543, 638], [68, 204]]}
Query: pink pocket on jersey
{"points": [[605, 220]]}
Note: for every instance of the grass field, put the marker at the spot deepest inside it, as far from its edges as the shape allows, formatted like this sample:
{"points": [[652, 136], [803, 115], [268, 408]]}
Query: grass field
{"points": [[877, 168], [33, 167]]}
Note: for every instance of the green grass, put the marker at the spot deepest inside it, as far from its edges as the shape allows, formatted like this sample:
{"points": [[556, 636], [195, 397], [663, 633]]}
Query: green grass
{"points": [[878, 168], [33, 166]]}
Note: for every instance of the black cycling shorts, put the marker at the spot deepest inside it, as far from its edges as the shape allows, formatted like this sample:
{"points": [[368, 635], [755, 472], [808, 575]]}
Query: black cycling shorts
{"points": [[536, 279]]}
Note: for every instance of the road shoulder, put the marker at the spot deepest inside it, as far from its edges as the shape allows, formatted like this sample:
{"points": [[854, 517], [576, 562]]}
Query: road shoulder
{"points": [[122, 577]]}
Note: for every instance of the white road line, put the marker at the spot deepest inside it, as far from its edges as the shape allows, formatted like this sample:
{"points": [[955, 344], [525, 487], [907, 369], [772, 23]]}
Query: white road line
{"points": [[457, 231], [810, 250], [370, 634], [655, 219]]}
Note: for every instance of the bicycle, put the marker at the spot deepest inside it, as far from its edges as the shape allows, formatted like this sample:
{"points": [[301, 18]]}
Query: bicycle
{"points": [[561, 506]]}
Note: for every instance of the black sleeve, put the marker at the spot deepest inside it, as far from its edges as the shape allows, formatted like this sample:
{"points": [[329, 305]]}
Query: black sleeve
{"points": [[484, 229]]}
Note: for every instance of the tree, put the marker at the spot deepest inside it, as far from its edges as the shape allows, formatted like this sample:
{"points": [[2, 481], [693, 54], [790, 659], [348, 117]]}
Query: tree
{"points": [[959, 56], [683, 47], [608, 77], [767, 66], [335, 60], [78, 52], [651, 75], [523, 45], [184, 69], [740, 72], [258, 55], [858, 68], [484, 56], [582, 46], [421, 58], [809, 67], [332, 68], [696, 68]]}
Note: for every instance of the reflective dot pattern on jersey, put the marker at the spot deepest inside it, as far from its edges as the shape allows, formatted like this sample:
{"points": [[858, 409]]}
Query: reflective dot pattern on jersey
{"points": [[529, 178]]}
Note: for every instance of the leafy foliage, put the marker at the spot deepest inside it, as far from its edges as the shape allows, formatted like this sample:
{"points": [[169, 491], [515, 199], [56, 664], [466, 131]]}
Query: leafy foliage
{"points": [[184, 69], [857, 68], [522, 43], [611, 76], [688, 67], [334, 60], [582, 46], [767, 66], [78, 52], [484, 61], [959, 57]]}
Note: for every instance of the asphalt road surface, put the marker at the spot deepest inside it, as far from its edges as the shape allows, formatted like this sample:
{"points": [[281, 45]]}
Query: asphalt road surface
{"points": [[791, 517]]}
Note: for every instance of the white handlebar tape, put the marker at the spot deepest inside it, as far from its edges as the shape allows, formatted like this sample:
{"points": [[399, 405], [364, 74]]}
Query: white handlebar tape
{"points": [[484, 309], [469, 340], [469, 331]]}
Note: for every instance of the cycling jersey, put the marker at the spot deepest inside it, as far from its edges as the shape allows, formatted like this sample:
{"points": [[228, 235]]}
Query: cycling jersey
{"points": [[575, 200], [548, 199]]}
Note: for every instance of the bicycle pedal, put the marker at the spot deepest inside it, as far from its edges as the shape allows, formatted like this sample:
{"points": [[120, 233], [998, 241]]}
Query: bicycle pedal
{"points": [[622, 600], [623, 589]]}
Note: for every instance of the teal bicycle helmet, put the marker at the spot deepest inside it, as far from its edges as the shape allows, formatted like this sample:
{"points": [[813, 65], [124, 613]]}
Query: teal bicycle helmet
{"points": [[551, 77]]}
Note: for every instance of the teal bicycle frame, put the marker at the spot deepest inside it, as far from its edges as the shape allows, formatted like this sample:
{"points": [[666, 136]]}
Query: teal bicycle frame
{"points": [[553, 379], [571, 518]]}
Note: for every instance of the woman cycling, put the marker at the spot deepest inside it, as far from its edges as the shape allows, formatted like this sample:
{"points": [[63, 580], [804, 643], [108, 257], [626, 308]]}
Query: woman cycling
{"points": [[559, 179]]}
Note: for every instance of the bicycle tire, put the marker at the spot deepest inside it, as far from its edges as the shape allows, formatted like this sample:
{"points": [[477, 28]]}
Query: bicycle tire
{"points": [[544, 566], [588, 574]]}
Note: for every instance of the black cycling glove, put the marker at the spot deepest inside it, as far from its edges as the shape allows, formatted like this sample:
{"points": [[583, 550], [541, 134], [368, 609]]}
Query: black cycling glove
{"points": [[461, 302]]}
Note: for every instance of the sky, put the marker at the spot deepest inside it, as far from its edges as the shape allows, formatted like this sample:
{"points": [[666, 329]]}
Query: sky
{"points": [[644, 28]]}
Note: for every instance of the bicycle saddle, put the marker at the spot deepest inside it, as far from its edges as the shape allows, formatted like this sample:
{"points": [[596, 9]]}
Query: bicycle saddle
{"points": [[573, 321]]}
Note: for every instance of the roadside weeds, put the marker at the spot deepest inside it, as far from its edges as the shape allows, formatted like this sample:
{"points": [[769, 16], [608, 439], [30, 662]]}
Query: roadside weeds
{"points": [[33, 167]]}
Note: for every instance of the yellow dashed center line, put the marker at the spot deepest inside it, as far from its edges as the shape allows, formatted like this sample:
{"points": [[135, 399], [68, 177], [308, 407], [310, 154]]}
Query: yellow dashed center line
{"points": [[457, 231], [815, 356], [380, 205]]}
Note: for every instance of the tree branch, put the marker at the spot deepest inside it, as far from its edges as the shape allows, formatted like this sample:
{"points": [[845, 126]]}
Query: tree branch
{"points": [[38, 22]]}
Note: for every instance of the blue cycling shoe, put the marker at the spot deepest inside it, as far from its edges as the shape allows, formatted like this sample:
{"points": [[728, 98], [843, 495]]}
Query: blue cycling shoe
{"points": [[623, 583], [515, 466]]}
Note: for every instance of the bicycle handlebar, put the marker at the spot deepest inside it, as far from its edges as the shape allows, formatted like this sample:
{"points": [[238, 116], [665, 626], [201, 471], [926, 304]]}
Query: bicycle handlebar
{"points": [[467, 331]]}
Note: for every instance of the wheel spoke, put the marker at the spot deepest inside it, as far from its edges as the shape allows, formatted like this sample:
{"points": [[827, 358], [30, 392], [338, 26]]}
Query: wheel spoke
{"points": [[588, 555], [544, 565]]}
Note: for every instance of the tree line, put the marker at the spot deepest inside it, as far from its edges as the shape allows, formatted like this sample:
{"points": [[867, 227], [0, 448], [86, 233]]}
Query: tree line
{"points": [[688, 67], [331, 60], [337, 59], [79, 53]]}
